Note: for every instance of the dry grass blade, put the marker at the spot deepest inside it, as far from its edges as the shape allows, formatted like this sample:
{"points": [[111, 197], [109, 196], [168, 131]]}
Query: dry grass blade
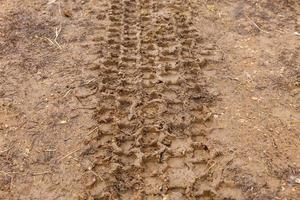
{"points": [[67, 155], [256, 24], [51, 2]]}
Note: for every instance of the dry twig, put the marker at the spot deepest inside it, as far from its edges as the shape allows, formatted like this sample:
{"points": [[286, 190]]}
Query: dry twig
{"points": [[255, 24], [67, 155], [57, 29]]}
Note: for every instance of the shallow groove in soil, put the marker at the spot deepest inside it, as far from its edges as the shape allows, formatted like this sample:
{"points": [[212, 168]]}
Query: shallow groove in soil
{"points": [[152, 105]]}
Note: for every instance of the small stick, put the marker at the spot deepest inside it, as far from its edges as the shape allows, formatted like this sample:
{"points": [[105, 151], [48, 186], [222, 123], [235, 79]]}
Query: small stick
{"points": [[2, 152], [88, 82], [50, 150], [68, 155], [60, 159], [208, 170], [256, 25], [51, 2], [85, 108], [92, 131], [57, 32], [87, 95], [49, 40], [41, 173], [21, 125], [97, 175], [67, 92], [5, 173]]}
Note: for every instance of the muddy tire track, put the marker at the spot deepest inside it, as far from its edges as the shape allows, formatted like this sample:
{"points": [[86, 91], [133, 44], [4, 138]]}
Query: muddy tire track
{"points": [[151, 141]]}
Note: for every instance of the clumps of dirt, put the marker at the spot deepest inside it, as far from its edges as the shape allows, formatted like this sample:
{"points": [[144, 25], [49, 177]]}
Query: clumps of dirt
{"points": [[153, 106]]}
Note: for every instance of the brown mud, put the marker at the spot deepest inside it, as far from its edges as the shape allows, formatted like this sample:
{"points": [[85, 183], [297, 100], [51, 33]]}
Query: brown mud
{"points": [[149, 99]]}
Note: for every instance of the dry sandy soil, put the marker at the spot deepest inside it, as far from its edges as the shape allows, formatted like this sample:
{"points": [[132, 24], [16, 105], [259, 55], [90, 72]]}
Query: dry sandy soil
{"points": [[150, 99]]}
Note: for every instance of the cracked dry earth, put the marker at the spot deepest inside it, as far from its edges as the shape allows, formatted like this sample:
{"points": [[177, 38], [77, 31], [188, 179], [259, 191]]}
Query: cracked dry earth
{"points": [[149, 99]]}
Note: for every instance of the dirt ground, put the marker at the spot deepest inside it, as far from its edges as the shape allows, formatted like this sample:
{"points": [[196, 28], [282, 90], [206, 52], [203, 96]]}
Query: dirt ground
{"points": [[150, 99]]}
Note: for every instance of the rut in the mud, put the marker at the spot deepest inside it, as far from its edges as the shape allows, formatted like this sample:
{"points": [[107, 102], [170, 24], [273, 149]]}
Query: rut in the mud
{"points": [[152, 139]]}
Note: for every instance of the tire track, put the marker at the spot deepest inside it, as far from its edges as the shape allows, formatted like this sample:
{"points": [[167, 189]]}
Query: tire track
{"points": [[151, 140]]}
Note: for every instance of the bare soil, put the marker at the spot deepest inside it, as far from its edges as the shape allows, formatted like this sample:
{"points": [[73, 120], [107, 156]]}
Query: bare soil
{"points": [[149, 99]]}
